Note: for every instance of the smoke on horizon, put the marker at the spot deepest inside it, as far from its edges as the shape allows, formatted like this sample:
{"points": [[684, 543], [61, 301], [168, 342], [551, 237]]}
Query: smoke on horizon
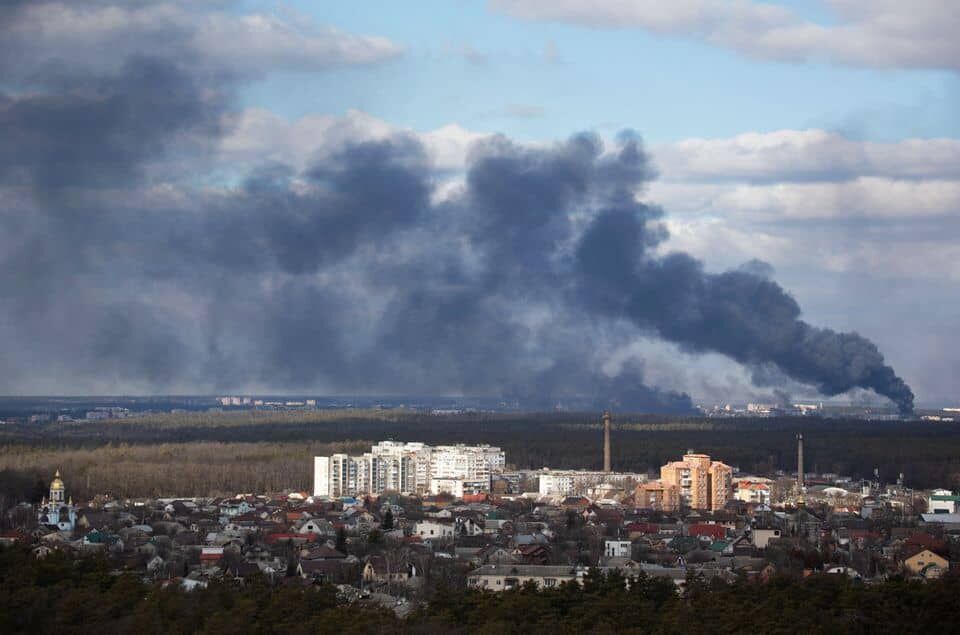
{"points": [[125, 261]]}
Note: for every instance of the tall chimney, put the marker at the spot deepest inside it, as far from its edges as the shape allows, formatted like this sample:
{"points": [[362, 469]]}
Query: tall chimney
{"points": [[800, 463], [606, 441]]}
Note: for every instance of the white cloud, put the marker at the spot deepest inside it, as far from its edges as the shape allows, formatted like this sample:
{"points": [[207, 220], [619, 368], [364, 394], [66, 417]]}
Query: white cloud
{"points": [[866, 197], [877, 33], [725, 243], [805, 155], [257, 136], [816, 202], [100, 36], [860, 198]]}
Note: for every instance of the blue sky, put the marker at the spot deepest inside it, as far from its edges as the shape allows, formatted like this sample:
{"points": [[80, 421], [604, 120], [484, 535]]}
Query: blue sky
{"points": [[540, 80]]}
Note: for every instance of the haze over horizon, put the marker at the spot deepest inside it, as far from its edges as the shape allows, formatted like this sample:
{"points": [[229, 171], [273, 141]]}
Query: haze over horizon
{"points": [[510, 198]]}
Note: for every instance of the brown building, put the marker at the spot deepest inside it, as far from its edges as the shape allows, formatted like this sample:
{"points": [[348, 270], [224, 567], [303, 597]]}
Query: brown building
{"points": [[657, 495], [702, 483]]}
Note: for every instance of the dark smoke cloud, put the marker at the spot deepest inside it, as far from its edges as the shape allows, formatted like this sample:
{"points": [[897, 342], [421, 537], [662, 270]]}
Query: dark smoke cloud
{"points": [[737, 313], [349, 275]]}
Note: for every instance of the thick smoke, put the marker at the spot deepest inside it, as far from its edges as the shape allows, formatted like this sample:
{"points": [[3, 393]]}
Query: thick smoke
{"points": [[133, 259]]}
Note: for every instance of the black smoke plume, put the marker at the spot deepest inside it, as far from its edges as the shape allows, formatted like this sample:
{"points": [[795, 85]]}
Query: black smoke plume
{"points": [[740, 314], [126, 264]]}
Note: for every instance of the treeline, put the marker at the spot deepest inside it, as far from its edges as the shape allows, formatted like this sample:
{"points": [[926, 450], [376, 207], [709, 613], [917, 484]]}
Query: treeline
{"points": [[167, 469], [259, 451], [60, 595]]}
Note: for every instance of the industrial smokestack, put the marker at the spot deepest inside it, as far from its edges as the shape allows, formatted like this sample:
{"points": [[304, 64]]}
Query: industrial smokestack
{"points": [[800, 463], [606, 442]]}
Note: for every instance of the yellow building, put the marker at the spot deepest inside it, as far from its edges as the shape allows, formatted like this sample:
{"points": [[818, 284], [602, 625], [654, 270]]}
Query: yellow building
{"points": [[702, 483], [926, 564]]}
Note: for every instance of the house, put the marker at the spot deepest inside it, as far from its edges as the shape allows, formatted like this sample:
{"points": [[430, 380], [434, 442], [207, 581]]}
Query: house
{"points": [[467, 526], [926, 564], [762, 537], [919, 541], [210, 555], [380, 570], [335, 571], [617, 548], [532, 554], [638, 529], [317, 526], [322, 552], [495, 554], [434, 530], [575, 503], [942, 501], [89, 519], [530, 539], [235, 508], [714, 532], [742, 546], [502, 577], [103, 539]]}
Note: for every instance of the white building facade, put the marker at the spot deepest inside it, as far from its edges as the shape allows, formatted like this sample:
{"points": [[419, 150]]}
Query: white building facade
{"points": [[412, 468], [583, 482]]}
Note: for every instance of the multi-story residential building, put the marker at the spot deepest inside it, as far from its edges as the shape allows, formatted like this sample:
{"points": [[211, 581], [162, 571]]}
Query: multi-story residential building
{"points": [[580, 482], [703, 484], [466, 462], [657, 495], [341, 475], [459, 487], [409, 468]]}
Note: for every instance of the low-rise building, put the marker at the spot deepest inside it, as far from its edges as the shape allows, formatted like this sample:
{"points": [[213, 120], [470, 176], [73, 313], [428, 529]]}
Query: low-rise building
{"points": [[926, 564], [434, 530], [942, 501]]}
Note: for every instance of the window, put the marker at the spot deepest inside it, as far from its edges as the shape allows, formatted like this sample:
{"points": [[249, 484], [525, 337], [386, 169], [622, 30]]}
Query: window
{"points": [[549, 582]]}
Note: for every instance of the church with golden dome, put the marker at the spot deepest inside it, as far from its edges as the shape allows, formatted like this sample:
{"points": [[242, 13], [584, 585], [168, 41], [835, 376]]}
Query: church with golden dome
{"points": [[57, 511]]}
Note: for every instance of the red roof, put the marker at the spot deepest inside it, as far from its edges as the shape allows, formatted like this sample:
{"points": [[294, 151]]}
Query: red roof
{"points": [[926, 541], [703, 529], [644, 528], [273, 538]]}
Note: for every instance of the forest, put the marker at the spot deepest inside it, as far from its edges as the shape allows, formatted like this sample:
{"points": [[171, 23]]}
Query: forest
{"points": [[202, 454], [60, 594]]}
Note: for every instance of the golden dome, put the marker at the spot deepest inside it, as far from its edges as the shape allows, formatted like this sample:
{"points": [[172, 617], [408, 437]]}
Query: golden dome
{"points": [[56, 483]]}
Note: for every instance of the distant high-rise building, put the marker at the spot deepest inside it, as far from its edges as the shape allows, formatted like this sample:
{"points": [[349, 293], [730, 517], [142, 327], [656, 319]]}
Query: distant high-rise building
{"points": [[407, 467], [702, 483]]}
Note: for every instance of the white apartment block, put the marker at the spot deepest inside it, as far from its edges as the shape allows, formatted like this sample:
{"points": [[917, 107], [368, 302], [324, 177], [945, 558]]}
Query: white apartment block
{"points": [[581, 482], [408, 468]]}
